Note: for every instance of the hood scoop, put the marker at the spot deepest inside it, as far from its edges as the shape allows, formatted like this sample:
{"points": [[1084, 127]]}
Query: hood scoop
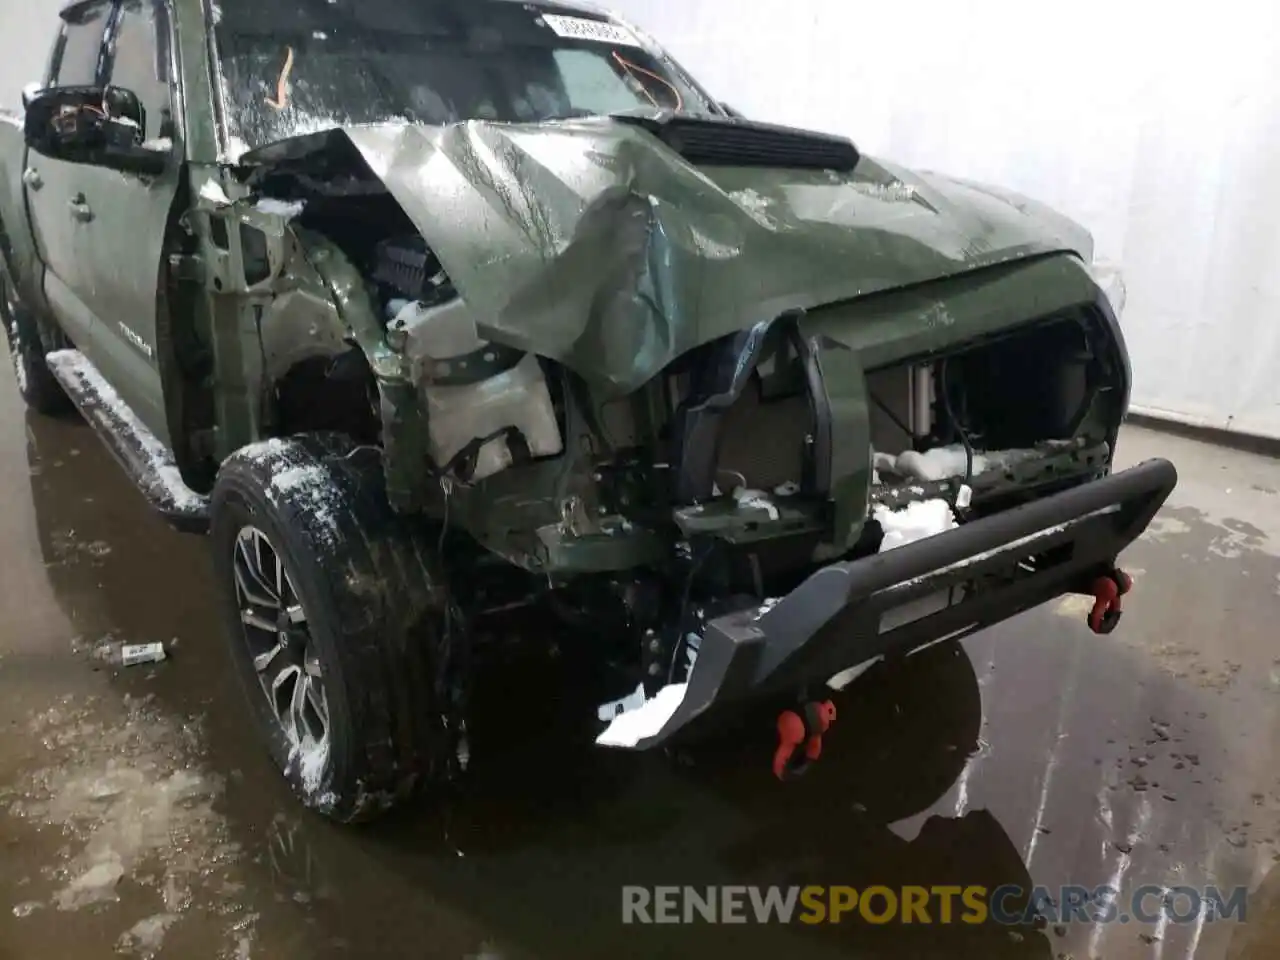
{"points": [[732, 142]]}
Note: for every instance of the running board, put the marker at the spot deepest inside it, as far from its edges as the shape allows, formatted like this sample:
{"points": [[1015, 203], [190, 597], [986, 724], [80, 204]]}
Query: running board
{"points": [[145, 459]]}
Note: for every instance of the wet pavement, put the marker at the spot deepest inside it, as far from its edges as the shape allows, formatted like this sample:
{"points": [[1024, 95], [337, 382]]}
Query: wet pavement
{"points": [[138, 814]]}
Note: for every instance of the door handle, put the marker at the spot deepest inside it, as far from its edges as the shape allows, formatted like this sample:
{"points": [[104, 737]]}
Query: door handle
{"points": [[31, 177], [80, 209]]}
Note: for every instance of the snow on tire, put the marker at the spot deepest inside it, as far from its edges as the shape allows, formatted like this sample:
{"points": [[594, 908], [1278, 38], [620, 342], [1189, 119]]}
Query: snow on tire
{"points": [[341, 627]]}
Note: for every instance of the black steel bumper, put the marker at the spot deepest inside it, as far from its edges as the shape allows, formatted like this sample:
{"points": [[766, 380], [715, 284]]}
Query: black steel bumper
{"points": [[985, 571]]}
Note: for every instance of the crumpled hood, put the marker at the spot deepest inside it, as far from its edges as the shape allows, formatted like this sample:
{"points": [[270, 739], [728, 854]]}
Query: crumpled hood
{"points": [[592, 243]]}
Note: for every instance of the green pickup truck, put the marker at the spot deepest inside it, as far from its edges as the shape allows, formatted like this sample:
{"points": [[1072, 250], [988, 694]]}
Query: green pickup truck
{"points": [[425, 313]]}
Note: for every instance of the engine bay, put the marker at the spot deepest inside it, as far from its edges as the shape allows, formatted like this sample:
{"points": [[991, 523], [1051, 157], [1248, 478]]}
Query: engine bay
{"points": [[740, 439]]}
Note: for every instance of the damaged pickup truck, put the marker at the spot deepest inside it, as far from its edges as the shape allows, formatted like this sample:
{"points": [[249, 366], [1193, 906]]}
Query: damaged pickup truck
{"points": [[424, 312]]}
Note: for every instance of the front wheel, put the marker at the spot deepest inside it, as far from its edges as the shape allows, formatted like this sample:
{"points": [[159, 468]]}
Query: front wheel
{"points": [[342, 630]]}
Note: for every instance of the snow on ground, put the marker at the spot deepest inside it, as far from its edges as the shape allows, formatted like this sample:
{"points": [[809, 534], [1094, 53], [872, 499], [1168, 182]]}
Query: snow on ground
{"points": [[137, 809], [146, 937]]}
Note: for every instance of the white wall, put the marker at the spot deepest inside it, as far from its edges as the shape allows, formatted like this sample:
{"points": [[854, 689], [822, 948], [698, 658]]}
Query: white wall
{"points": [[25, 40], [1155, 125]]}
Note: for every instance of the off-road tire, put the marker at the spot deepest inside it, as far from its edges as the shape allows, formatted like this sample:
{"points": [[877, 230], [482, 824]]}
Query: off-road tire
{"points": [[389, 639], [37, 385]]}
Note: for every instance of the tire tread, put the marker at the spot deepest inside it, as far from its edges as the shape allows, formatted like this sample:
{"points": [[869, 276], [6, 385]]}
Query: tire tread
{"points": [[388, 590]]}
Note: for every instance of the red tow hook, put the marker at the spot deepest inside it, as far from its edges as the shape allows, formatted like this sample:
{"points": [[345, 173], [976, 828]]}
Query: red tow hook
{"points": [[794, 729], [1107, 591]]}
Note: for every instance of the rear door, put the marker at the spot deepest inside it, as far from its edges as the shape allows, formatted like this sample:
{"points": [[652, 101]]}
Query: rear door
{"points": [[121, 274], [56, 222]]}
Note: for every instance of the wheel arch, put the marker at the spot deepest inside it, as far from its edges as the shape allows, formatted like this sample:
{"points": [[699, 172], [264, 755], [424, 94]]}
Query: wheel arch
{"points": [[324, 314], [317, 374]]}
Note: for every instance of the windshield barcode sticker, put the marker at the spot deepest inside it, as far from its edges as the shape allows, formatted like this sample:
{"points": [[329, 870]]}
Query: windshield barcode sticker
{"points": [[579, 28]]}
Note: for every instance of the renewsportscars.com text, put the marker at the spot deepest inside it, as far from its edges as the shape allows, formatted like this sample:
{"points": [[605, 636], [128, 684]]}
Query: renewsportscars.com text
{"points": [[1011, 904]]}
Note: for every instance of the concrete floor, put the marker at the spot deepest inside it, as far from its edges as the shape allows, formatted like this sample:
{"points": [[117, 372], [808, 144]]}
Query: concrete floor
{"points": [[137, 811]]}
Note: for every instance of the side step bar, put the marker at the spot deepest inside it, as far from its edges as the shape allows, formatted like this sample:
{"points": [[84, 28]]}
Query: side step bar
{"points": [[147, 461]]}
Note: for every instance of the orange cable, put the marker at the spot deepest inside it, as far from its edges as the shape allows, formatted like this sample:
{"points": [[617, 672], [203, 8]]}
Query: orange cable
{"points": [[631, 67], [282, 84]]}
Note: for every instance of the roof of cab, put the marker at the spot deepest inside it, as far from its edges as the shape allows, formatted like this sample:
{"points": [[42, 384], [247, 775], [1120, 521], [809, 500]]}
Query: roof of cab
{"points": [[75, 7]]}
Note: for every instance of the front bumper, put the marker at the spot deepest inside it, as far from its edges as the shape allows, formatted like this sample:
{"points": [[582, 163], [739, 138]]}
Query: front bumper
{"points": [[986, 571]]}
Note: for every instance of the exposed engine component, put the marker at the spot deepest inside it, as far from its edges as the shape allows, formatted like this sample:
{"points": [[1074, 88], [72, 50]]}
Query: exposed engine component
{"points": [[488, 406], [406, 268]]}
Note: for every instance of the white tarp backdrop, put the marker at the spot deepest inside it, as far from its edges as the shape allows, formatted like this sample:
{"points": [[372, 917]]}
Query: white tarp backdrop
{"points": [[1158, 127], [27, 35]]}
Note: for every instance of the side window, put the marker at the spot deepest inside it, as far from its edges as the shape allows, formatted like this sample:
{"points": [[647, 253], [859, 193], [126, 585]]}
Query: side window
{"points": [[137, 54], [79, 48]]}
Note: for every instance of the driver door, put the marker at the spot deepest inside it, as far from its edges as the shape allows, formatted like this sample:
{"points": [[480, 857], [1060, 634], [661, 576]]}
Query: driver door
{"points": [[51, 184], [122, 243]]}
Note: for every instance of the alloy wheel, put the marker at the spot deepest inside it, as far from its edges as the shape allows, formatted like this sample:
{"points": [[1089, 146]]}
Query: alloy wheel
{"points": [[284, 654]]}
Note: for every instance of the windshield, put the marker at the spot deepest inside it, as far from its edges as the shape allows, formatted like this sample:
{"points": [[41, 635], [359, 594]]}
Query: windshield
{"points": [[297, 66]]}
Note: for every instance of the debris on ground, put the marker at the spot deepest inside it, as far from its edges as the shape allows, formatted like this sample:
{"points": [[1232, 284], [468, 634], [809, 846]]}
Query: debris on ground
{"points": [[120, 654], [133, 654]]}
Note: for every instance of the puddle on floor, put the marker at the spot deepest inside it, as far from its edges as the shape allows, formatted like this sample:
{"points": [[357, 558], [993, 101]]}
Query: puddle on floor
{"points": [[119, 790]]}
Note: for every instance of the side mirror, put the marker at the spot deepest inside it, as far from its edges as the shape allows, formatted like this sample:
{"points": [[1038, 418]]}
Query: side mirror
{"points": [[99, 126], [29, 93]]}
